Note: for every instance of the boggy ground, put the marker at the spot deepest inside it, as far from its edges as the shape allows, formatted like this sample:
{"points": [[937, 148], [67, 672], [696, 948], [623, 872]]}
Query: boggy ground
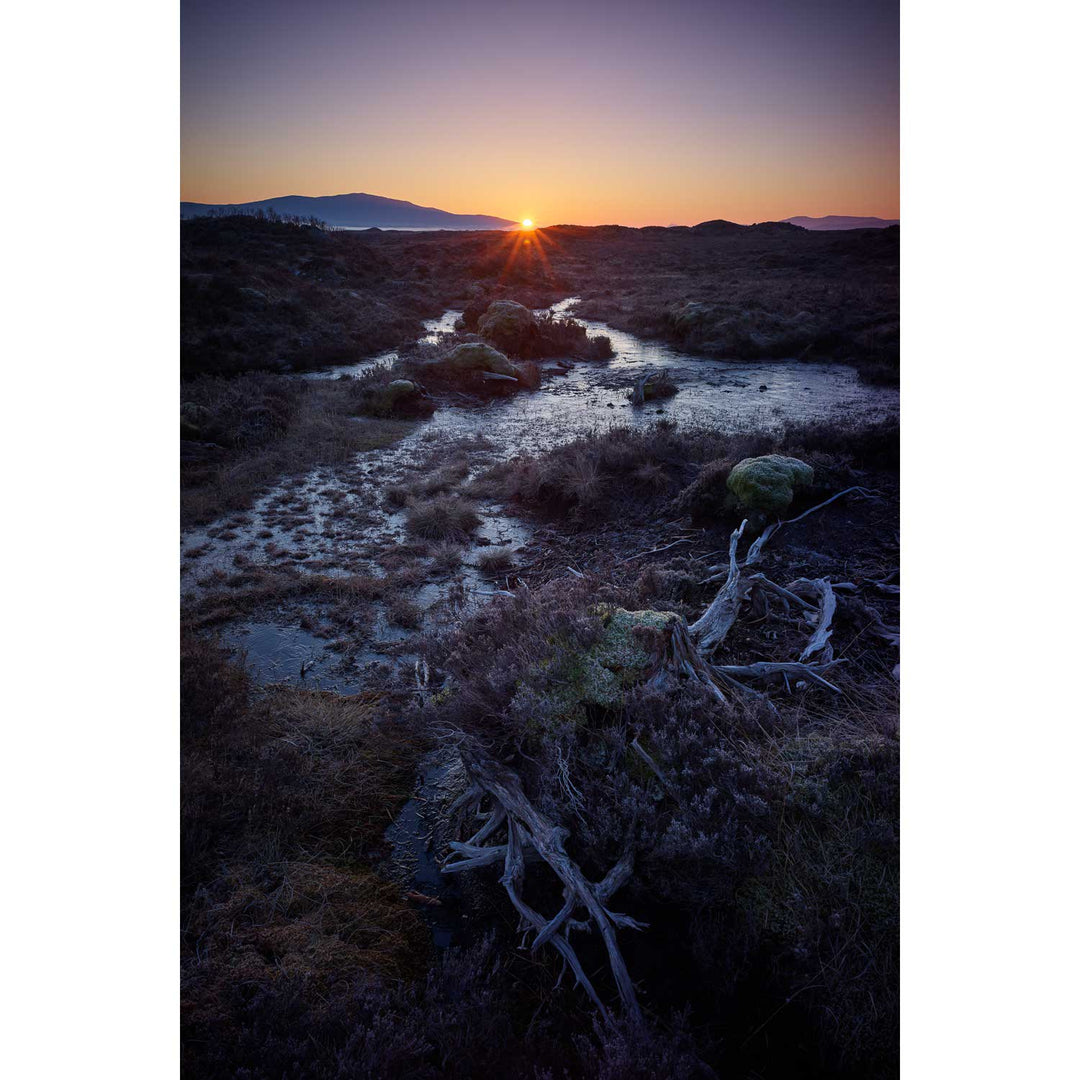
{"points": [[273, 296], [449, 588], [766, 842]]}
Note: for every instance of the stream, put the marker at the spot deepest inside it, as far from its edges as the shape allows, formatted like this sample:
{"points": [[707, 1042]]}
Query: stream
{"points": [[590, 397]]}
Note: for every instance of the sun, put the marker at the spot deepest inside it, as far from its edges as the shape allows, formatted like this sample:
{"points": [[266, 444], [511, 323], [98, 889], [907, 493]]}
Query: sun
{"points": [[527, 223]]}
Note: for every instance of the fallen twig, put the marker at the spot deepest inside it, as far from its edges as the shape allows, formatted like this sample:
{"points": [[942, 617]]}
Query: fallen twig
{"points": [[654, 551]]}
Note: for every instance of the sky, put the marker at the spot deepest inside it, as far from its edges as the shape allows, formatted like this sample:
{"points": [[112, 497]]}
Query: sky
{"points": [[590, 112]]}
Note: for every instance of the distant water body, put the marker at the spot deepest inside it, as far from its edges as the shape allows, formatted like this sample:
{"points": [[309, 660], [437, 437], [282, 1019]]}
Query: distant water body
{"points": [[406, 228]]}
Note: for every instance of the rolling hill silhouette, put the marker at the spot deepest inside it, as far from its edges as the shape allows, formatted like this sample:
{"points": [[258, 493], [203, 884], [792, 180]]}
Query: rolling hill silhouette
{"points": [[841, 221], [356, 210]]}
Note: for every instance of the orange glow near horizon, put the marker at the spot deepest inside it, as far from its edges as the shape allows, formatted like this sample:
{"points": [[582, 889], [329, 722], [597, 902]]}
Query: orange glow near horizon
{"points": [[605, 112], [688, 183]]}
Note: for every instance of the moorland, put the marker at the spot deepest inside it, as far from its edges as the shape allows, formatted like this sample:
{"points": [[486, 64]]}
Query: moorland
{"points": [[539, 705]]}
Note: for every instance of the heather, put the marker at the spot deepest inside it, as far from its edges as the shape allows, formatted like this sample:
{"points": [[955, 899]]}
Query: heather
{"points": [[523, 735], [271, 295]]}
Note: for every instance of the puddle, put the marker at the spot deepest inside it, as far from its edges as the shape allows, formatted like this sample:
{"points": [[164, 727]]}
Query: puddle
{"points": [[413, 838], [288, 654]]}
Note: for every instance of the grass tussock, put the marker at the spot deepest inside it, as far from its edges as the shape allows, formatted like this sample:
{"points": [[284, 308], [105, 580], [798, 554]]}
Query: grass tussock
{"points": [[446, 557], [426, 482], [444, 517], [495, 562], [403, 612]]}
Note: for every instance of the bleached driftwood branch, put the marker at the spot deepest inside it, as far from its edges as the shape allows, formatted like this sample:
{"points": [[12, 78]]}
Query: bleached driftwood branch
{"points": [[819, 640], [719, 617], [525, 825], [765, 669], [683, 655]]}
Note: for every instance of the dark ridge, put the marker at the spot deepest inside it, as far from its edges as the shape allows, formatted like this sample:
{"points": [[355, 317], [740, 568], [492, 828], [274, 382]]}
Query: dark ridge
{"points": [[833, 222], [356, 210]]}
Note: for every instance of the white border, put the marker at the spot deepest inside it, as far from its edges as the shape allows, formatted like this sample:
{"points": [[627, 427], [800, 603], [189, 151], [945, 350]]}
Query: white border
{"points": [[989, 298]]}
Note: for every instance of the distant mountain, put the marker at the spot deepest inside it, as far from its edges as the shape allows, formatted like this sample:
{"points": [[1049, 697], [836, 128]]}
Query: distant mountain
{"points": [[357, 210], [839, 221], [717, 227]]}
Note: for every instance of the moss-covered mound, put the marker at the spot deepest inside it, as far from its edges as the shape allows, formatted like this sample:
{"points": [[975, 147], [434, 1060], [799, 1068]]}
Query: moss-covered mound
{"points": [[476, 356], [599, 675], [768, 484], [508, 326], [377, 394]]}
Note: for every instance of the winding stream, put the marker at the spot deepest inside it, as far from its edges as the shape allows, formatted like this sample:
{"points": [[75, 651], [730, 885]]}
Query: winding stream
{"points": [[589, 397]]}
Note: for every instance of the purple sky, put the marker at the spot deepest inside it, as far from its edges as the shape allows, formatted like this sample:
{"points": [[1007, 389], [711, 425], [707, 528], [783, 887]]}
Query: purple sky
{"points": [[586, 112]]}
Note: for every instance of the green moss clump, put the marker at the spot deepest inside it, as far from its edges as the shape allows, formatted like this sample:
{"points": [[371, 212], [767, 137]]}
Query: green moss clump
{"points": [[400, 388], [619, 659], [476, 356], [508, 326], [599, 675], [768, 483]]}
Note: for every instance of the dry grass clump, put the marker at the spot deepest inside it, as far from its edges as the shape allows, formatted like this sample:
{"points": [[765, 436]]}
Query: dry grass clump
{"points": [[529, 374], [495, 562], [446, 557], [445, 517], [284, 802], [403, 612], [567, 337], [706, 500], [592, 474], [426, 482]]}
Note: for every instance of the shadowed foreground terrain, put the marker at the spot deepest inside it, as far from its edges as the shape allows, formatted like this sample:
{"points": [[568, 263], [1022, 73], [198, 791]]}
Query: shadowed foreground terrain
{"points": [[603, 781], [763, 826]]}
